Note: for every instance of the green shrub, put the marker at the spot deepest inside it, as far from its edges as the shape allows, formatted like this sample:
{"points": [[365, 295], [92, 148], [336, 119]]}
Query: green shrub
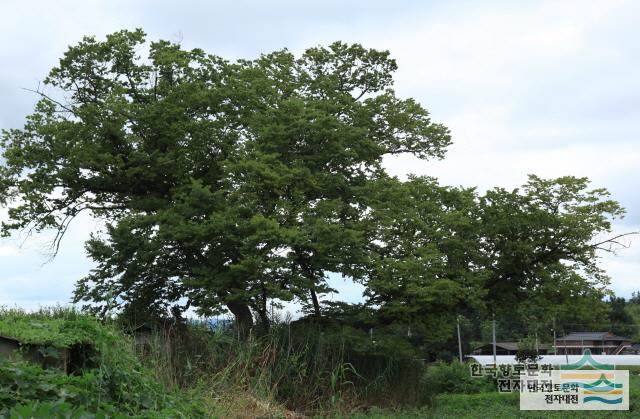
{"points": [[58, 410], [454, 377]]}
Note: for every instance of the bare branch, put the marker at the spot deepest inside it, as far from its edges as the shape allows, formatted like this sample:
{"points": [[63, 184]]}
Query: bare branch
{"points": [[613, 244], [38, 92]]}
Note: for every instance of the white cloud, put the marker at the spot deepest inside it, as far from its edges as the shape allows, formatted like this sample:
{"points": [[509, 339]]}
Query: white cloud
{"points": [[8, 251], [560, 37]]}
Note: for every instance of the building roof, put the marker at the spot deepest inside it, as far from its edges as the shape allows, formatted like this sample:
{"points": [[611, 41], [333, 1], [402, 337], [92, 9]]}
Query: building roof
{"points": [[511, 346], [558, 359], [592, 336]]}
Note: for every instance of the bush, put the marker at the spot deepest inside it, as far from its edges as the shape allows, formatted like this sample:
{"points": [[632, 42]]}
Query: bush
{"points": [[58, 410], [454, 377]]}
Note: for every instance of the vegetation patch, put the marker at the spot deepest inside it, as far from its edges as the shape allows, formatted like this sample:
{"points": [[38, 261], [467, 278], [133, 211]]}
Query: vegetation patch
{"points": [[39, 329], [115, 384]]}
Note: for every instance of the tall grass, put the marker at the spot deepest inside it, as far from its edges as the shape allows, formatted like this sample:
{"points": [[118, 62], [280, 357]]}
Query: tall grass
{"points": [[300, 366]]}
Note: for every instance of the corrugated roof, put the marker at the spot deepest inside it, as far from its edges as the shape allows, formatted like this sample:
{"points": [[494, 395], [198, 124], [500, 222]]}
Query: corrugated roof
{"points": [[592, 336], [512, 346]]}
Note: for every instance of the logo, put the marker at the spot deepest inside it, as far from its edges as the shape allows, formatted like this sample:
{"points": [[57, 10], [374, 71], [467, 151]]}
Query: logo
{"points": [[583, 385], [587, 360]]}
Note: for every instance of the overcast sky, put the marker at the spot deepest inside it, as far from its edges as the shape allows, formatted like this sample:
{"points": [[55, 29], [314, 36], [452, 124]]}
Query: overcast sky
{"points": [[550, 88]]}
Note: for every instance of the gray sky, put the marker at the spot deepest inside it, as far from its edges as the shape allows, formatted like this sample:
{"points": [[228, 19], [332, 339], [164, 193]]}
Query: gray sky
{"points": [[546, 87]]}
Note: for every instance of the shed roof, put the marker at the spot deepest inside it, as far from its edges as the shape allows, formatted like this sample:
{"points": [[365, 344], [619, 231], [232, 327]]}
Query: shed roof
{"points": [[592, 336], [511, 346]]}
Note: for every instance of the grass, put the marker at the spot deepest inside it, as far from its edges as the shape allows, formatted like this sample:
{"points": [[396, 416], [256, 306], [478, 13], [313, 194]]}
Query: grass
{"points": [[500, 405], [292, 371], [294, 367], [489, 405], [55, 327]]}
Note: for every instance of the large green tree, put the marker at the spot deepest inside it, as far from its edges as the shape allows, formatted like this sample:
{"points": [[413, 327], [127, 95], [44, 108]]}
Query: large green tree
{"points": [[221, 184], [529, 256]]}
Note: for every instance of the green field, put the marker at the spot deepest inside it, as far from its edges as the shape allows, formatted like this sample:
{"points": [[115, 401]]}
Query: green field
{"points": [[488, 405]]}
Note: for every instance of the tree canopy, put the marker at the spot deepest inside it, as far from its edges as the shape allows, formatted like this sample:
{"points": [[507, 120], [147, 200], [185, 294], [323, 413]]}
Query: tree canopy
{"points": [[226, 185]]}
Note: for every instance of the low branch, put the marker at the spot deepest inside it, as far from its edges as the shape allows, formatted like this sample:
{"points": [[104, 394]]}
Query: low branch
{"points": [[612, 244]]}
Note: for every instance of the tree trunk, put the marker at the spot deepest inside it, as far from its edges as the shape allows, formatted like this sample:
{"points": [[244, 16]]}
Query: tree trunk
{"points": [[264, 320], [262, 311], [243, 317], [316, 304], [308, 273]]}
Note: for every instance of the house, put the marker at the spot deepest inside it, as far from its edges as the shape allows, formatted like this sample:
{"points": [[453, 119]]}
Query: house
{"points": [[506, 348], [599, 343]]}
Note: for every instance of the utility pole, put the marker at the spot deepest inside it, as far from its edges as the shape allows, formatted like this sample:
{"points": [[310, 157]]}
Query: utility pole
{"points": [[555, 348], [537, 347], [459, 339], [494, 339]]}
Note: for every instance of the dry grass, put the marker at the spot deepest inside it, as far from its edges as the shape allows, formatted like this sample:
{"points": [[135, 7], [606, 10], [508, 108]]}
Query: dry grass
{"points": [[239, 404]]}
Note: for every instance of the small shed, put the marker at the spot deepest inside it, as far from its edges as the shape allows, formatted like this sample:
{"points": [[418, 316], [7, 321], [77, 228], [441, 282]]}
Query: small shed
{"points": [[47, 356], [143, 335]]}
